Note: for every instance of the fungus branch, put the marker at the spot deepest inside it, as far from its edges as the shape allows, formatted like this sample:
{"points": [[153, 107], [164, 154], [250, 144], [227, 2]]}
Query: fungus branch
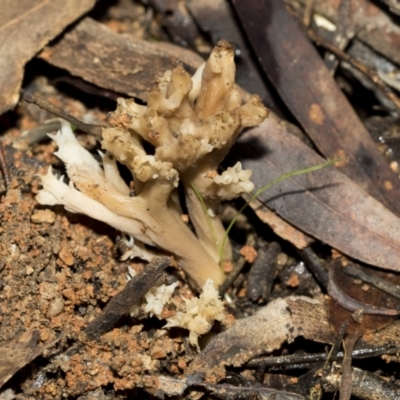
{"points": [[191, 123]]}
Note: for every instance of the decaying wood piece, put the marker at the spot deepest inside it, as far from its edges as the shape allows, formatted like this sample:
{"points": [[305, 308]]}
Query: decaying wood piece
{"points": [[280, 321], [262, 272], [366, 385], [120, 63], [25, 28], [17, 353], [120, 304], [343, 34], [372, 25]]}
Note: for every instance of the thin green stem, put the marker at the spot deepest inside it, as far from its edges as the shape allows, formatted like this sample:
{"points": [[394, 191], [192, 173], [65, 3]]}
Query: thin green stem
{"points": [[263, 189], [203, 206]]}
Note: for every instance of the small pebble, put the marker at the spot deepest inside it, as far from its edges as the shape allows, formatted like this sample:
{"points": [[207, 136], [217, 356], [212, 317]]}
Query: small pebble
{"points": [[56, 307], [43, 217], [66, 256], [29, 270], [249, 253]]}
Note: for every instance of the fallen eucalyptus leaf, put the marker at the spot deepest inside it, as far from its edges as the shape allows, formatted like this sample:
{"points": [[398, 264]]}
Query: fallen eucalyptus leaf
{"points": [[325, 203], [301, 78]]}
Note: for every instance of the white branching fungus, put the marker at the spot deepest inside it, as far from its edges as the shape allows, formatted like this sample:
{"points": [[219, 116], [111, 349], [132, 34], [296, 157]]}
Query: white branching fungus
{"points": [[197, 314], [154, 301], [191, 124]]}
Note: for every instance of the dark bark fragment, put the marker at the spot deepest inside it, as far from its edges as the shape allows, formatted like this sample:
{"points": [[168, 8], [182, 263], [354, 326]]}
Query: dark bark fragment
{"points": [[120, 304], [262, 272]]}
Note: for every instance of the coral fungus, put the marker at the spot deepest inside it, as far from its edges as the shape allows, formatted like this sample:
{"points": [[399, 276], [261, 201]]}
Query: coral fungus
{"points": [[191, 123]]}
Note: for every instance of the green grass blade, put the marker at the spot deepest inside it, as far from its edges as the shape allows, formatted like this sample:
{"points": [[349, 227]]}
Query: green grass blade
{"points": [[264, 188], [203, 206]]}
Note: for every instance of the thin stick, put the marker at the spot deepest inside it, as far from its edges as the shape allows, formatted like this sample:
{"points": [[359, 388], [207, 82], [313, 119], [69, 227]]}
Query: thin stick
{"points": [[353, 305], [59, 112], [299, 359], [4, 167], [368, 72], [120, 304], [313, 263], [379, 283], [232, 276]]}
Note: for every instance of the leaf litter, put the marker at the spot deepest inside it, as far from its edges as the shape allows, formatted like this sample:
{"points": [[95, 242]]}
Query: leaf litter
{"points": [[53, 282]]}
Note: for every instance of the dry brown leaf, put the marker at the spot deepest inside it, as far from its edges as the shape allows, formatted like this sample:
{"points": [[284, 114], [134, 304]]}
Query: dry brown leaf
{"points": [[116, 62], [301, 78], [217, 18], [284, 230], [325, 204], [25, 27], [367, 296]]}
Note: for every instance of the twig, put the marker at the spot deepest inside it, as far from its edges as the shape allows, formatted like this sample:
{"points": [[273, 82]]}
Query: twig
{"points": [[375, 281], [39, 133], [4, 167], [314, 264], [335, 348], [368, 72], [232, 276], [366, 385], [353, 305], [238, 266], [237, 392], [86, 87], [59, 112], [120, 304], [262, 272], [346, 384], [301, 359]]}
